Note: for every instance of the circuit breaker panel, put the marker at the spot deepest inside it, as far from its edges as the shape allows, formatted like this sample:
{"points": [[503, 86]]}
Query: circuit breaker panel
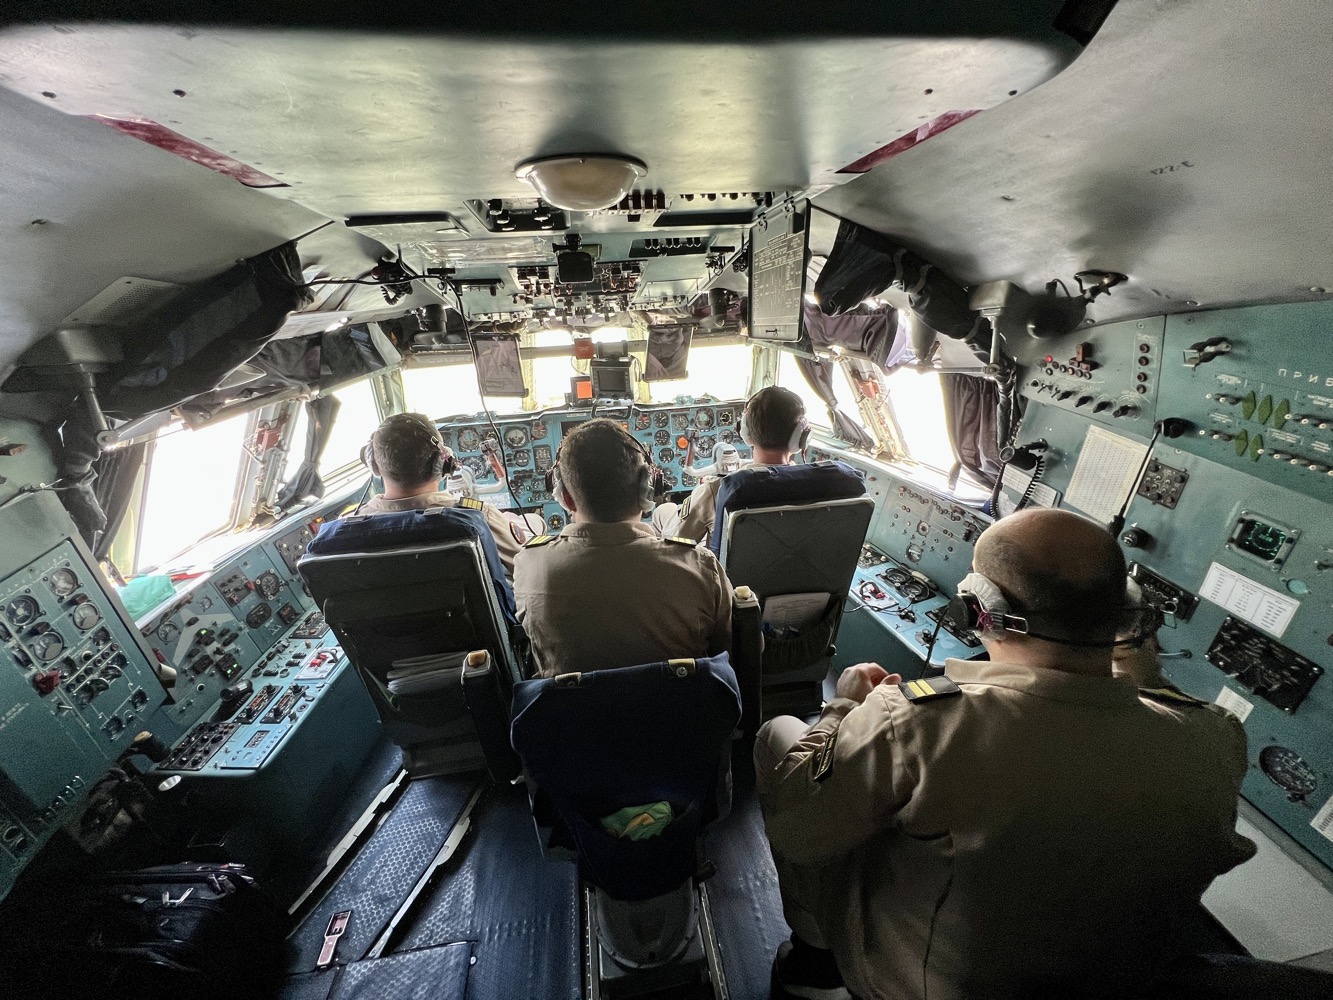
{"points": [[76, 680]]}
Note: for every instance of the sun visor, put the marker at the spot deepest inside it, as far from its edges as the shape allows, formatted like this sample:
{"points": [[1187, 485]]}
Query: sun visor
{"points": [[189, 345]]}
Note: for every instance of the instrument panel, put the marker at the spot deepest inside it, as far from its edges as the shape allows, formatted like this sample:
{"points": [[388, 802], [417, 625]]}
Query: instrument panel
{"points": [[678, 436]]}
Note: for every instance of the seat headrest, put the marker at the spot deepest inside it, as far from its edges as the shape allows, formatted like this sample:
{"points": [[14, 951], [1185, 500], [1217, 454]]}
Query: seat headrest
{"points": [[410, 528], [775, 485]]}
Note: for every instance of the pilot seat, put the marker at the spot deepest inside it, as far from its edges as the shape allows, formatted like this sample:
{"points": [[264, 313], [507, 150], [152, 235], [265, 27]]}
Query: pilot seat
{"points": [[793, 535], [625, 769], [416, 598]]}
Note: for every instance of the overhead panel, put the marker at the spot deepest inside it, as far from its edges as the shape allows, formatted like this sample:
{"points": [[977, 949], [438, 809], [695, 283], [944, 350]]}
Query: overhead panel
{"points": [[360, 122]]}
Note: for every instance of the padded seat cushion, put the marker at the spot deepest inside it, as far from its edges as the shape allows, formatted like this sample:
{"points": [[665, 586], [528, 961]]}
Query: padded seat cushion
{"points": [[776, 485], [405, 529]]}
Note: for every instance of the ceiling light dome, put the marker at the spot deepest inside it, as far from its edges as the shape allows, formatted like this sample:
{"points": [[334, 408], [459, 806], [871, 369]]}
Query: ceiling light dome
{"points": [[582, 183]]}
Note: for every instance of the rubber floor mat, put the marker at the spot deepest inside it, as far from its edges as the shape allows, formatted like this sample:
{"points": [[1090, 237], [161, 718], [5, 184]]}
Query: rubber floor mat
{"points": [[386, 869], [520, 911], [747, 908], [433, 974]]}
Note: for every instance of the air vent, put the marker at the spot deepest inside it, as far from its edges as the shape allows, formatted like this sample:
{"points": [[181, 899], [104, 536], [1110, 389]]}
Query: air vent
{"points": [[122, 302]]}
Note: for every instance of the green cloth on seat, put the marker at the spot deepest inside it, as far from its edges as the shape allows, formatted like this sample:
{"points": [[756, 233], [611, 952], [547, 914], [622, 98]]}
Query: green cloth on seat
{"points": [[639, 822]]}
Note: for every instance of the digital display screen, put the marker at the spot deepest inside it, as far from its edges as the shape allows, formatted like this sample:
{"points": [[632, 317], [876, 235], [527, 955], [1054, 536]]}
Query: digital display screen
{"points": [[498, 368], [668, 350]]}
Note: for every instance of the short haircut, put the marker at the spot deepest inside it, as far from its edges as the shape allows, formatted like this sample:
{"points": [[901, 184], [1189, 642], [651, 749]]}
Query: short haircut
{"points": [[407, 449], [771, 416], [1085, 606], [602, 467]]}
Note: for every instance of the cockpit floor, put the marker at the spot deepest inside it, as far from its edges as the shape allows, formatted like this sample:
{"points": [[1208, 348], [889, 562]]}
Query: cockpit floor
{"points": [[501, 921]]}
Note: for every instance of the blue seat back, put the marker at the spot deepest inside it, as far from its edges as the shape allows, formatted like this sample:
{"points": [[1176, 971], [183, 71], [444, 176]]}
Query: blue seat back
{"points": [[594, 743], [376, 532], [767, 486]]}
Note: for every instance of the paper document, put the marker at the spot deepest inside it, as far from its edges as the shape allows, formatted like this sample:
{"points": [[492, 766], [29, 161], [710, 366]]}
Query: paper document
{"points": [[1257, 604], [1019, 482], [1234, 703], [1106, 473], [794, 611]]}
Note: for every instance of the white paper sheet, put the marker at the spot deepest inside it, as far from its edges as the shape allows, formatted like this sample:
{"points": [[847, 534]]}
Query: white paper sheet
{"points": [[1323, 820], [794, 611], [1106, 474], [1257, 604], [1234, 703]]}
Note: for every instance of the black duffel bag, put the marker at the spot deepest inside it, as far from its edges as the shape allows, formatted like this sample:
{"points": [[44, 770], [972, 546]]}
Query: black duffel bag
{"points": [[186, 931]]}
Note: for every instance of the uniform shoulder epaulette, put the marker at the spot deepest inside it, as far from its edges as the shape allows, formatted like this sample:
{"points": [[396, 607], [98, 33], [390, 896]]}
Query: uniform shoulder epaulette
{"points": [[683, 509], [470, 503], [536, 540], [680, 540], [1172, 696], [929, 688]]}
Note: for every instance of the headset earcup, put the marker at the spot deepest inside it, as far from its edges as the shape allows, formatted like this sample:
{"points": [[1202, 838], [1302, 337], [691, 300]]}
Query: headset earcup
{"points": [[800, 437], [963, 611], [449, 464], [368, 457], [745, 429]]}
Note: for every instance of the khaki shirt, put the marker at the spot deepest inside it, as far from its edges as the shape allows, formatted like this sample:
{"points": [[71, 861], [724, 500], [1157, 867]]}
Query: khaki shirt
{"points": [[1039, 824], [509, 537], [598, 596], [694, 518]]}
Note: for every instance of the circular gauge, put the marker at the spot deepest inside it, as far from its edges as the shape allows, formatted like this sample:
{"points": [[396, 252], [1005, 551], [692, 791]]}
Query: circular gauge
{"points": [[668, 479], [556, 521], [516, 436], [704, 446], [85, 616], [680, 421], [47, 646], [687, 479], [725, 418], [728, 436], [1288, 770], [538, 430], [68, 668], [204, 603], [101, 637], [661, 419], [268, 584], [21, 611], [642, 421], [666, 456], [477, 466], [468, 440], [703, 419], [520, 458], [168, 631], [662, 438], [63, 582]]}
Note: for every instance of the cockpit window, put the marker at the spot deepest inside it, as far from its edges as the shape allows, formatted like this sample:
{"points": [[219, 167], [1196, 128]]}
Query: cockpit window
{"points": [[721, 370], [191, 488], [442, 390], [356, 420], [816, 410]]}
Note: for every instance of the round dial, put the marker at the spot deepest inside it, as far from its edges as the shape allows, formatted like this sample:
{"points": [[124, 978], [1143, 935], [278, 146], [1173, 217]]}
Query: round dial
{"points": [[726, 418], [662, 438], [85, 616], [520, 458], [468, 440], [1288, 770], [516, 436], [268, 584], [556, 521], [477, 466], [538, 430], [703, 419], [63, 582], [668, 479], [642, 421], [168, 631], [704, 446], [680, 421], [21, 610], [47, 646], [661, 419], [729, 436], [666, 456]]}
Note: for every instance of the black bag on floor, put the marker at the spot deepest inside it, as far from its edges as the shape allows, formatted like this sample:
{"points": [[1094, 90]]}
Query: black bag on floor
{"points": [[181, 931]]}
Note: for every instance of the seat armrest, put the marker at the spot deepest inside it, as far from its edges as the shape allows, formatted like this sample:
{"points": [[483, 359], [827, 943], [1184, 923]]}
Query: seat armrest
{"points": [[490, 716], [747, 653]]}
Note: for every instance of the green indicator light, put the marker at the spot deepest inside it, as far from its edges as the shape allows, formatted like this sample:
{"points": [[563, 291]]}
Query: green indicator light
{"points": [[1265, 410], [1281, 413], [1256, 445], [1247, 405], [1242, 443]]}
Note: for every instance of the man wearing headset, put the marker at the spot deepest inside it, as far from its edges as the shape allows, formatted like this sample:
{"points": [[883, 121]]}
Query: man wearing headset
{"points": [[773, 424], [408, 454], [1026, 822], [607, 591]]}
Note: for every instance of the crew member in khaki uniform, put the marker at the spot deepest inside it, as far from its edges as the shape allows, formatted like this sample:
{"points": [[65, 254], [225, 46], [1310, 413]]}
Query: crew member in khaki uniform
{"points": [[1028, 821], [773, 424], [408, 454], [607, 592]]}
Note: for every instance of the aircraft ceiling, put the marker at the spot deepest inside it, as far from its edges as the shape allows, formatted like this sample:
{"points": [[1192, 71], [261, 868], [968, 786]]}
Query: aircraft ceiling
{"points": [[1185, 147]]}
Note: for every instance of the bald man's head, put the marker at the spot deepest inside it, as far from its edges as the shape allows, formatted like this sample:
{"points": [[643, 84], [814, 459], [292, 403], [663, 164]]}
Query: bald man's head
{"points": [[1064, 573]]}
